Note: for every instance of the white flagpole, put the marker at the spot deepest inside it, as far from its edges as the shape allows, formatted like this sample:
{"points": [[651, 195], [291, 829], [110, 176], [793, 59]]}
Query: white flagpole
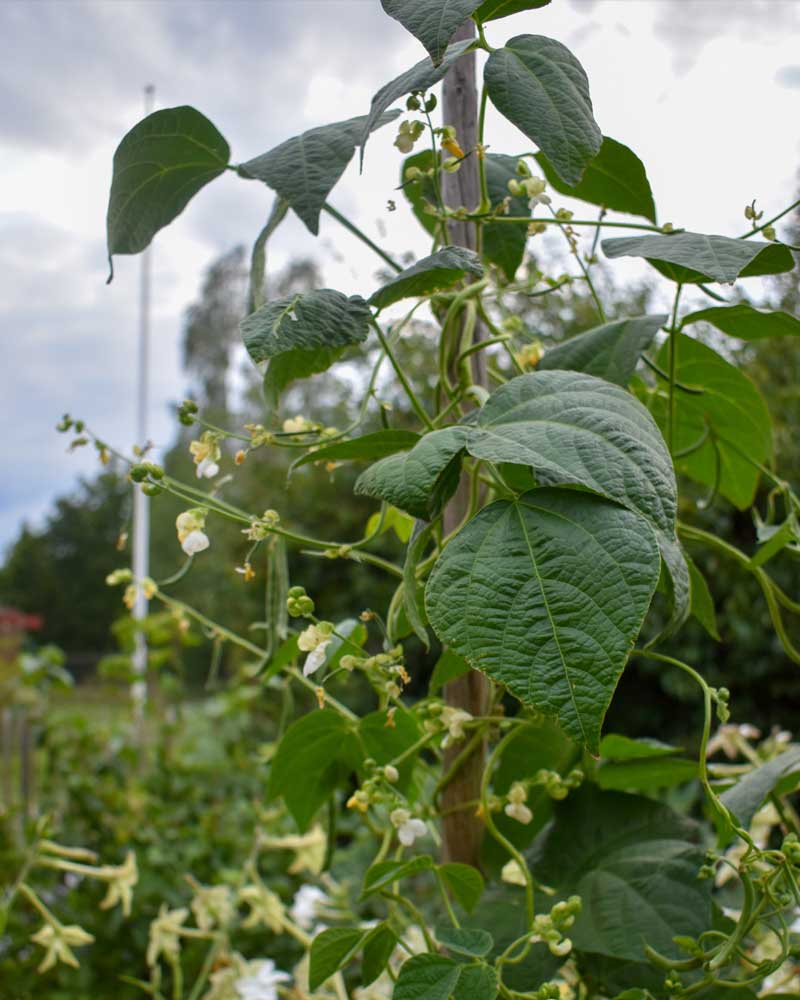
{"points": [[141, 503]]}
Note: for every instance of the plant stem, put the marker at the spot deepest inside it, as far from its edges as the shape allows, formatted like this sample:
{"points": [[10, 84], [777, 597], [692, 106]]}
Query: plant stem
{"points": [[412, 396], [353, 228]]}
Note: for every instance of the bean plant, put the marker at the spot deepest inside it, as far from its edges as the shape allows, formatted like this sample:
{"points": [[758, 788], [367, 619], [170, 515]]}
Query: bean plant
{"points": [[546, 546]]}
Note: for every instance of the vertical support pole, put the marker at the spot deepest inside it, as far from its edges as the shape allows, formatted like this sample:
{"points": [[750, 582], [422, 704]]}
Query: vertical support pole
{"points": [[141, 503], [462, 828]]}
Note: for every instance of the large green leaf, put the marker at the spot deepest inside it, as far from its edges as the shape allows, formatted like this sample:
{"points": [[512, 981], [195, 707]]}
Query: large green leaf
{"points": [[695, 257], [366, 448], [379, 945], [321, 318], [678, 581], [416, 549], [331, 950], [745, 322], [315, 754], [614, 746], [748, 794], [577, 429], [727, 425], [440, 270], [634, 863], [304, 169], [476, 982], [294, 365], [433, 22], [158, 168], [615, 178], [491, 10], [426, 977], [383, 873], [470, 941], [539, 85], [610, 352], [422, 480], [547, 594], [422, 76], [504, 245]]}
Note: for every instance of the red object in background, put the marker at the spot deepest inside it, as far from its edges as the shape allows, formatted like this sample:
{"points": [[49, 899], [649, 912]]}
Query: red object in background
{"points": [[14, 626], [13, 620]]}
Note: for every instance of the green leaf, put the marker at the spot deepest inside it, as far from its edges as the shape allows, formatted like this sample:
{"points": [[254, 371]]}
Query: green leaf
{"points": [[613, 746], [492, 10], [476, 982], [676, 570], [331, 950], [158, 168], [547, 594], [426, 977], [314, 756], [322, 318], [615, 178], [420, 190], [539, 85], [441, 270], [393, 520], [422, 76], [646, 775], [449, 666], [697, 257], [292, 366], [579, 430], [717, 428], [749, 793], [305, 169], [634, 864], [433, 22], [378, 947], [504, 245], [465, 882], [383, 742], [469, 941], [702, 603], [745, 322], [285, 654], [383, 873], [416, 549], [422, 480], [366, 448], [610, 352]]}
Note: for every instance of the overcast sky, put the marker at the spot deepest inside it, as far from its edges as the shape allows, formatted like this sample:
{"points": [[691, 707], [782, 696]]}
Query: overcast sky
{"points": [[705, 91]]}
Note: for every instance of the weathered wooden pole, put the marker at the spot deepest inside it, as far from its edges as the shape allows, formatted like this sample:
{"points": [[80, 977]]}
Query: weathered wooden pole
{"points": [[462, 827]]}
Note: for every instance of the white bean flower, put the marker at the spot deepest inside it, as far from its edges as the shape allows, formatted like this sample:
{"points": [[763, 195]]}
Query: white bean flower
{"points": [[207, 469], [408, 827], [306, 906], [263, 984], [196, 541], [516, 808], [316, 658]]}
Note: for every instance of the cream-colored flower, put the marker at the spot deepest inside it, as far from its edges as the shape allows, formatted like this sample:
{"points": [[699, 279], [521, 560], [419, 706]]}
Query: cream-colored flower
{"points": [[515, 807], [261, 981], [195, 541], [206, 455], [121, 880], [408, 827], [165, 934], [311, 637], [453, 720], [212, 906], [297, 425], [58, 941], [309, 849], [512, 873], [316, 658], [265, 908]]}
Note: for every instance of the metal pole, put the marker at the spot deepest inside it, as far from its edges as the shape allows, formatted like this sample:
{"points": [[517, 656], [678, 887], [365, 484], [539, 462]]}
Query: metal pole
{"points": [[141, 503]]}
